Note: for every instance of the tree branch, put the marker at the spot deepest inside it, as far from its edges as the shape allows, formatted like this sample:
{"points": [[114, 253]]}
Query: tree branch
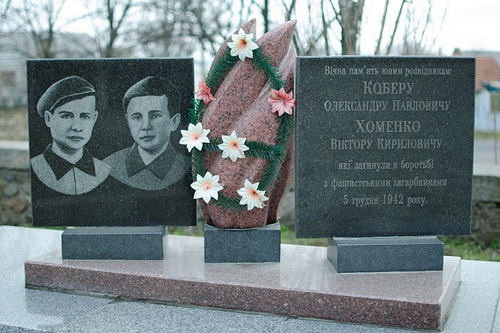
{"points": [[395, 28], [384, 17], [325, 29]]}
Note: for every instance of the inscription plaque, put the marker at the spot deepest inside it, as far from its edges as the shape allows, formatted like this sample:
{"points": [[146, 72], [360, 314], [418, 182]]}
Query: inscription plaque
{"points": [[384, 146]]}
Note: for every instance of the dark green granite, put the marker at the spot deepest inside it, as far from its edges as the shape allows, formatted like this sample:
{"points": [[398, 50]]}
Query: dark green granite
{"points": [[111, 185], [119, 243], [384, 146], [260, 244], [386, 254]]}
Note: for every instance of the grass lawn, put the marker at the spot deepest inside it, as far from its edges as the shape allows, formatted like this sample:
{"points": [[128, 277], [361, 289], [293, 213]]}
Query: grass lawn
{"points": [[472, 249], [478, 135]]}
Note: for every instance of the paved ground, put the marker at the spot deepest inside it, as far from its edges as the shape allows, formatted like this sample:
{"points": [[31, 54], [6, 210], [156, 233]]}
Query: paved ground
{"points": [[22, 310]]}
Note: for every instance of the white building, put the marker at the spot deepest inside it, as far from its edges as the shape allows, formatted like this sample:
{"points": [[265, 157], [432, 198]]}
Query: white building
{"points": [[17, 47], [487, 71]]}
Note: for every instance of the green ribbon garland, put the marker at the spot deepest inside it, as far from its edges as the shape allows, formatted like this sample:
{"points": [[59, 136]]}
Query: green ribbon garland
{"points": [[275, 154]]}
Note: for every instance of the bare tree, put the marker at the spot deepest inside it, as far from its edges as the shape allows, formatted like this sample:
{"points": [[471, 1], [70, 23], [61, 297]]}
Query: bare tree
{"points": [[319, 22], [208, 23], [384, 18], [40, 19], [396, 24], [417, 39], [109, 18], [341, 25], [289, 9], [158, 31], [325, 28], [245, 11], [264, 10], [182, 27], [4, 9], [349, 15], [342, 18], [115, 17]]}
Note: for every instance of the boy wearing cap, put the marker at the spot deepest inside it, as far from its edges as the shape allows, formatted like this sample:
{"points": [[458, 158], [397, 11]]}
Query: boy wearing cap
{"points": [[151, 163], [68, 109]]}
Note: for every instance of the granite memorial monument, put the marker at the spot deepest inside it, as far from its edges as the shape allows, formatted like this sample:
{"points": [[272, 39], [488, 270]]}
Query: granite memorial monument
{"points": [[384, 148], [104, 148], [244, 129]]}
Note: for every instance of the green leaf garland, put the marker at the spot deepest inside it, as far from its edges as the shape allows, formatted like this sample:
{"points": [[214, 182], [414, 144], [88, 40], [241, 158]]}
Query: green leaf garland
{"points": [[221, 66], [275, 154]]}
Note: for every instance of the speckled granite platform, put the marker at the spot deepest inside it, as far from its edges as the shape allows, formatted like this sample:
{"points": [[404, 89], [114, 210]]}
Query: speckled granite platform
{"points": [[303, 284]]}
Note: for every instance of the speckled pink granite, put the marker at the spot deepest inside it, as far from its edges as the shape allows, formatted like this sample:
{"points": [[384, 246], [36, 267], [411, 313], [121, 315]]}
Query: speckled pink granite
{"points": [[303, 284], [241, 105], [248, 27]]}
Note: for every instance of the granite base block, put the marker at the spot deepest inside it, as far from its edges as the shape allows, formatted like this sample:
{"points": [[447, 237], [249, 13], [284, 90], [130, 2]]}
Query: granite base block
{"points": [[118, 243], [243, 245], [302, 284], [386, 254]]}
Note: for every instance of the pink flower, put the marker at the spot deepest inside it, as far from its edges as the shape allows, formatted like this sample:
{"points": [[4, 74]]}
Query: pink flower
{"points": [[203, 92], [281, 101]]}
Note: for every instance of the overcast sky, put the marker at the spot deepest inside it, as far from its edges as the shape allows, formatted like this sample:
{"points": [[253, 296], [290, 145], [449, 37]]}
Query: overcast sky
{"points": [[472, 24], [468, 24]]}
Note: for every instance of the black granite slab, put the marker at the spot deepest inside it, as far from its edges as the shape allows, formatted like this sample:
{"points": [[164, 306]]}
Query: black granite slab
{"points": [[385, 254], [251, 245], [116, 243], [114, 183], [384, 146]]}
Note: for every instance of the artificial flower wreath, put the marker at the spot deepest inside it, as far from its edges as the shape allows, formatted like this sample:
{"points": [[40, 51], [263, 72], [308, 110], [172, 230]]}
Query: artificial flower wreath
{"points": [[207, 187]]}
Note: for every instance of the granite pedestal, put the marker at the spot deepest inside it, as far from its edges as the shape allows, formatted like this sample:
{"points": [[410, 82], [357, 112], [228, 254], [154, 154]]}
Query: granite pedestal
{"points": [[125, 243], [386, 254], [243, 245], [303, 284]]}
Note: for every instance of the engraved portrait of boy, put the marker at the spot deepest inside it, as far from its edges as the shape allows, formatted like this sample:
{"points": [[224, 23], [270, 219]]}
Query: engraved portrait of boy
{"points": [[68, 109], [151, 108]]}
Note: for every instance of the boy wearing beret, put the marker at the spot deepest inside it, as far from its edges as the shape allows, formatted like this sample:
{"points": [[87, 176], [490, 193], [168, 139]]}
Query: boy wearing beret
{"points": [[151, 163], [68, 109]]}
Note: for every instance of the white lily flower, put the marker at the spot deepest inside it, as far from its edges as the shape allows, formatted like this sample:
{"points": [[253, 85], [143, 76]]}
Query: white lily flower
{"points": [[195, 136], [206, 187], [242, 45], [251, 196], [233, 147]]}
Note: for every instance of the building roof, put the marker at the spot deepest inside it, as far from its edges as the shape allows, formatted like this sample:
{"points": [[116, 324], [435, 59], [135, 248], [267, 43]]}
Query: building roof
{"points": [[481, 53], [487, 70], [16, 47]]}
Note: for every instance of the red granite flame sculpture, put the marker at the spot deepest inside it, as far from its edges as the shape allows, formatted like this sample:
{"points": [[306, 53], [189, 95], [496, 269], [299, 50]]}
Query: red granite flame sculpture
{"points": [[241, 105]]}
